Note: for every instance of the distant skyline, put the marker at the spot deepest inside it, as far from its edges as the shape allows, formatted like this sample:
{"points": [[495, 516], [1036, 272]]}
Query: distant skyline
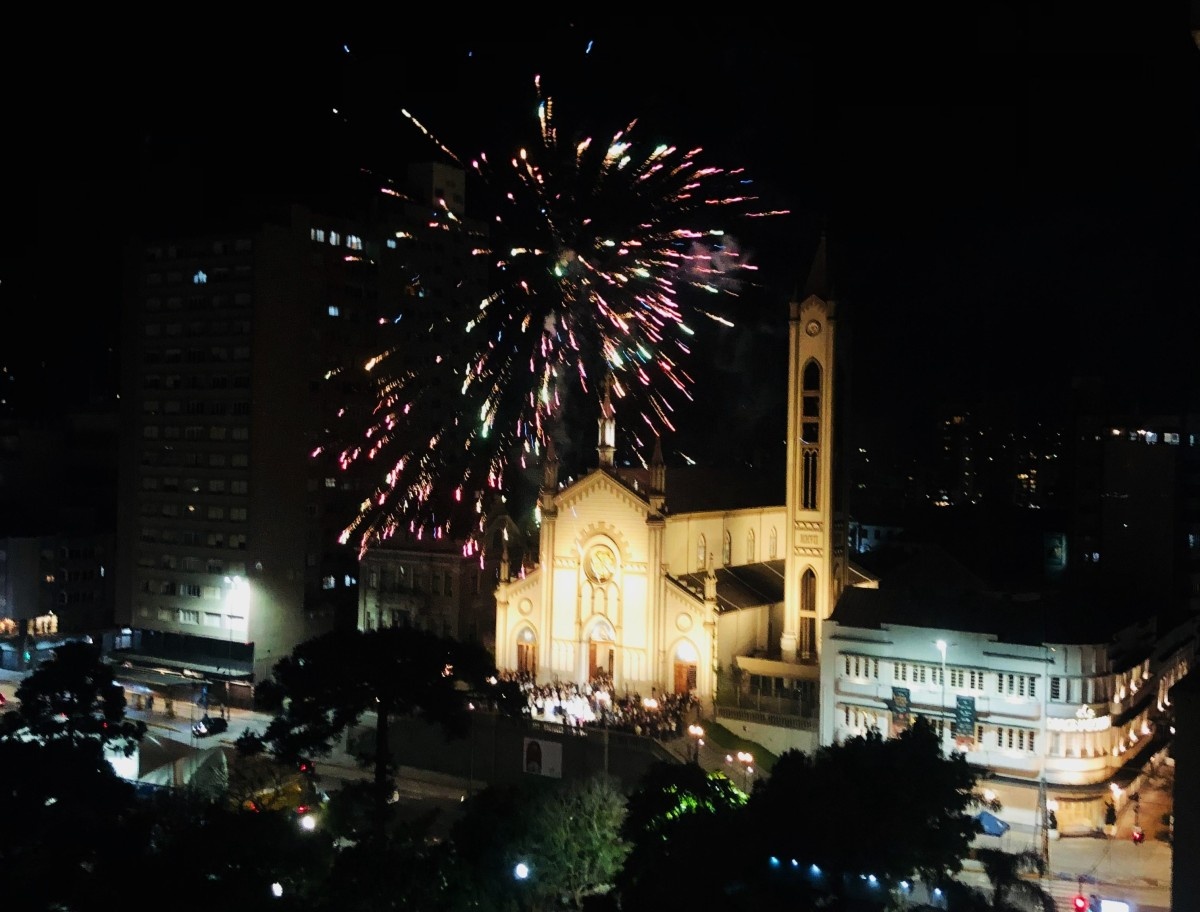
{"points": [[1003, 214]]}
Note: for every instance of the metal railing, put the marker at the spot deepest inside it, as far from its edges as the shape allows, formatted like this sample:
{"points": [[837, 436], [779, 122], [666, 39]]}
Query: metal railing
{"points": [[779, 720], [789, 705]]}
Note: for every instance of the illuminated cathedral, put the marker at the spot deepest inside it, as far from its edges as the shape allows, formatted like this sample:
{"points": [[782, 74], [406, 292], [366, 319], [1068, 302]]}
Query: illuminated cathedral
{"points": [[647, 576]]}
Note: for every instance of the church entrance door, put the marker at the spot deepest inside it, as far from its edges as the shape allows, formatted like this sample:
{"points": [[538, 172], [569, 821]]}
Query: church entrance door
{"points": [[600, 659], [527, 651], [602, 650], [685, 677]]}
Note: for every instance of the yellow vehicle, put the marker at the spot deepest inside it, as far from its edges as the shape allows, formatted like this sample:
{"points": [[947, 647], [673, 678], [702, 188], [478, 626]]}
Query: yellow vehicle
{"points": [[263, 784]]}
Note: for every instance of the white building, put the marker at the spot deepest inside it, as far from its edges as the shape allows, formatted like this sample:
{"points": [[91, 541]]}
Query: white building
{"points": [[1028, 688]]}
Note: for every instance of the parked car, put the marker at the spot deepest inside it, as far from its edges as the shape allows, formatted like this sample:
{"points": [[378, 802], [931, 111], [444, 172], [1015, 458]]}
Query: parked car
{"points": [[209, 726]]}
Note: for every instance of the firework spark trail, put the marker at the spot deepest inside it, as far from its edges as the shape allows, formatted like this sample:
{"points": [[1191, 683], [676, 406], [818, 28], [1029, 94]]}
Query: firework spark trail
{"points": [[592, 250]]}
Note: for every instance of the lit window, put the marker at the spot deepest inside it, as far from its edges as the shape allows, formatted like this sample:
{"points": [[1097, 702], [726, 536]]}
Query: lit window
{"points": [[391, 242], [328, 582], [334, 238], [318, 234], [334, 310], [354, 242]]}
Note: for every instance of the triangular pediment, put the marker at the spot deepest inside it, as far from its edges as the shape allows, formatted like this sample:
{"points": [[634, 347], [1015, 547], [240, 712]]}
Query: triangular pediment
{"points": [[600, 483]]}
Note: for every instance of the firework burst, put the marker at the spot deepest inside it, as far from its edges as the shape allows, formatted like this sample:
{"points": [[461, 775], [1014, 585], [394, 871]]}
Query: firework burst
{"points": [[601, 256]]}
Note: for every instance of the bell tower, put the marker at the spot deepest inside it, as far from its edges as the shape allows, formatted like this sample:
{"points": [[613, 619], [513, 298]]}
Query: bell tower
{"points": [[809, 552]]}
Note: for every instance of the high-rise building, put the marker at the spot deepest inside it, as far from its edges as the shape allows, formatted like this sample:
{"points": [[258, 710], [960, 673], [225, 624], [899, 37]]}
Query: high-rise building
{"points": [[239, 351], [57, 529], [1135, 524]]}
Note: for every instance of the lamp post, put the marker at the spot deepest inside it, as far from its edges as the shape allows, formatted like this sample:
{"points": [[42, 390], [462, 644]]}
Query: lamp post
{"points": [[941, 647], [747, 760], [697, 734]]}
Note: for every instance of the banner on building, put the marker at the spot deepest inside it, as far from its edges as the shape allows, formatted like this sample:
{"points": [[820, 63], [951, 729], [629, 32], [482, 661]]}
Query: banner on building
{"points": [[542, 757], [901, 709], [964, 717]]}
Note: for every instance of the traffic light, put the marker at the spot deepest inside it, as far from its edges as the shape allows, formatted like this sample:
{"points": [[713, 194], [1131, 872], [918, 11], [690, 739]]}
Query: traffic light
{"points": [[1079, 903]]}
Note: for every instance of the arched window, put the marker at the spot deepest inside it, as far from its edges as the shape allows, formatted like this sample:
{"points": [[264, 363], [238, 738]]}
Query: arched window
{"points": [[773, 545], [727, 550], [808, 619], [808, 591], [750, 547], [701, 552], [810, 403], [808, 480]]}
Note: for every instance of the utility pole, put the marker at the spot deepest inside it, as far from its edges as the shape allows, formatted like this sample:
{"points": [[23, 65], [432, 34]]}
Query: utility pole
{"points": [[1043, 825], [1043, 802]]}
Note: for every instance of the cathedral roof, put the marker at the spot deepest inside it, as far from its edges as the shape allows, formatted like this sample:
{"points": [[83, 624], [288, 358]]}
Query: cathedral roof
{"points": [[745, 586], [705, 489]]}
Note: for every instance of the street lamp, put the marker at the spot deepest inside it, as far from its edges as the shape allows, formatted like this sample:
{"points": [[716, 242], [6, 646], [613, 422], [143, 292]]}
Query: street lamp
{"points": [[941, 647], [747, 760], [697, 734]]}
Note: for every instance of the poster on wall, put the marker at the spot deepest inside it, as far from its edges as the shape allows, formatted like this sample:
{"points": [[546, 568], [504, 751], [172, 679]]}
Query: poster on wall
{"points": [[899, 705], [964, 720], [542, 757]]}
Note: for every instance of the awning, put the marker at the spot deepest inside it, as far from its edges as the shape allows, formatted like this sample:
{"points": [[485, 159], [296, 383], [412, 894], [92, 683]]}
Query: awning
{"points": [[188, 670], [144, 679], [770, 668], [992, 825]]}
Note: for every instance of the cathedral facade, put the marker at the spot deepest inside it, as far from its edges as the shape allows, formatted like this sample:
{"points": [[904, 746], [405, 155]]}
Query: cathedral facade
{"points": [[644, 576]]}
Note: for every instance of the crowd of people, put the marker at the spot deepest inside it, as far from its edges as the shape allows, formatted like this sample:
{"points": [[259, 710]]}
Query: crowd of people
{"points": [[596, 704]]}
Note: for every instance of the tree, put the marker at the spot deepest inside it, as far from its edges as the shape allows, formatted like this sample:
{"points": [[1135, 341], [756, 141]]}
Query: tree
{"points": [[406, 869], [839, 810], [73, 697], [568, 836], [209, 855], [575, 845], [681, 818], [1010, 891], [493, 834], [61, 800], [329, 683]]}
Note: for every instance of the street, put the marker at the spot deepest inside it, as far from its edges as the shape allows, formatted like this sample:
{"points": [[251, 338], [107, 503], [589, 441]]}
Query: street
{"points": [[1113, 868], [167, 737]]}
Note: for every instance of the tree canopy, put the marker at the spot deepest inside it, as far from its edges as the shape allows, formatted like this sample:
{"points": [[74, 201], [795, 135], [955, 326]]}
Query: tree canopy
{"points": [[60, 797], [330, 683], [892, 808]]}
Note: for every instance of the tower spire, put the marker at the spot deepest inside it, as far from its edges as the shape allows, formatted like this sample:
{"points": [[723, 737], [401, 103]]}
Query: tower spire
{"points": [[818, 282], [608, 424], [658, 477]]}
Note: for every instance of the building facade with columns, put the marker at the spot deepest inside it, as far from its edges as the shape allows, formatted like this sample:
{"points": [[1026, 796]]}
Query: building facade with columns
{"points": [[665, 579]]}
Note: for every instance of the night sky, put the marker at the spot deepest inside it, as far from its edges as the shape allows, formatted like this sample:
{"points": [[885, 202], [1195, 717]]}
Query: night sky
{"points": [[1009, 202]]}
